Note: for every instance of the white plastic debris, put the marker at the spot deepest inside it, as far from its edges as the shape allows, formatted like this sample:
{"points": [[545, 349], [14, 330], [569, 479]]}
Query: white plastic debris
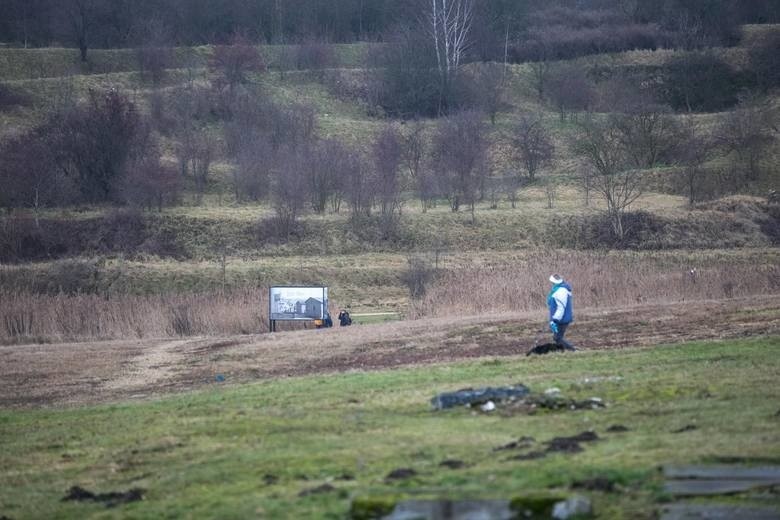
{"points": [[488, 406]]}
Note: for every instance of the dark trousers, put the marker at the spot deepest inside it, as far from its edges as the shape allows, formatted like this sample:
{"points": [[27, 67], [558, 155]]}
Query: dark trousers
{"points": [[558, 338]]}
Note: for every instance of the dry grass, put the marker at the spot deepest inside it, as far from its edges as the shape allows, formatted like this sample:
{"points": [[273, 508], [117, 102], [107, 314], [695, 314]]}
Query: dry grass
{"points": [[598, 280], [28, 317]]}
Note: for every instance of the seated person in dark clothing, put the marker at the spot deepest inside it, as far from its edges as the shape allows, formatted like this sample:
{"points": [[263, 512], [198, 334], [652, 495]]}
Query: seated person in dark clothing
{"points": [[344, 318]]}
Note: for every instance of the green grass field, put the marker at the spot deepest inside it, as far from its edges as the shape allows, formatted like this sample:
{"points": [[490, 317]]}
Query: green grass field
{"points": [[249, 451]]}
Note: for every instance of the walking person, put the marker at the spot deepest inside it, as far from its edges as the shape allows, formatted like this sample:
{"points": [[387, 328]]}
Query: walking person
{"points": [[561, 305]]}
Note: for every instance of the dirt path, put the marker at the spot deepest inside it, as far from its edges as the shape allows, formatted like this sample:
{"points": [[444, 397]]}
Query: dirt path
{"points": [[84, 373]]}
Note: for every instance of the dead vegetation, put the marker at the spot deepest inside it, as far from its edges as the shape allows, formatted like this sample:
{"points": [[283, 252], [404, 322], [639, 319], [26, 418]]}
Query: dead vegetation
{"points": [[77, 373], [62, 317], [599, 280]]}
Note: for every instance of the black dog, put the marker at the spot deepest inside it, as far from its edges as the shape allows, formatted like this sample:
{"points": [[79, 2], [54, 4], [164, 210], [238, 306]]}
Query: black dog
{"points": [[546, 349]]}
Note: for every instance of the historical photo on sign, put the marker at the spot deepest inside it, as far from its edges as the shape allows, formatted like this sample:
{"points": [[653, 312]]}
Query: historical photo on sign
{"points": [[298, 303]]}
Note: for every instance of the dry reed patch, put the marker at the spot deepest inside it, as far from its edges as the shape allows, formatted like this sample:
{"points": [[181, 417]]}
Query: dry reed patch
{"points": [[28, 317], [598, 280]]}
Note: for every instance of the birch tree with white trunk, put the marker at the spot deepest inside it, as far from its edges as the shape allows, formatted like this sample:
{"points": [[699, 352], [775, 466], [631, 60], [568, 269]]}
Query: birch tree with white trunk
{"points": [[448, 23]]}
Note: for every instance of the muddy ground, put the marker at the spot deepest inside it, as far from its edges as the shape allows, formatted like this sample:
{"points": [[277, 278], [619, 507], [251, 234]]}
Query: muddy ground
{"points": [[33, 376]]}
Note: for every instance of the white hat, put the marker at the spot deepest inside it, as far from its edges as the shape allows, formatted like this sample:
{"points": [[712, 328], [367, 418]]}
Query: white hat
{"points": [[556, 279]]}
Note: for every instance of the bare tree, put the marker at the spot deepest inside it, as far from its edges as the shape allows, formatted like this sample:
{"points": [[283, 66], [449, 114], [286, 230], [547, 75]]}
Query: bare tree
{"points": [[250, 177], [388, 152], [746, 133], [448, 24], [148, 183], [512, 183], [201, 155], [289, 190], [233, 63], [28, 171], [648, 133], [358, 187], [694, 149], [699, 81], [460, 157], [540, 65], [599, 143], [533, 144], [550, 190], [569, 89], [764, 62], [487, 89], [413, 155], [323, 162], [315, 55], [78, 19], [95, 140], [153, 55]]}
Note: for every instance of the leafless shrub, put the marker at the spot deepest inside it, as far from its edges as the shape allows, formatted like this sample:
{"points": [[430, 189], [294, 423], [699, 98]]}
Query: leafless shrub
{"points": [[569, 90], [513, 182], [649, 134], [10, 98], [567, 32], [550, 191], [460, 158], [91, 143], [315, 55], [251, 175], [148, 183], [388, 153], [699, 81], [763, 54], [289, 189], [417, 276], [153, 55], [324, 163], [201, 154], [693, 150], [533, 145], [413, 153], [746, 133], [358, 188], [28, 173], [232, 64], [485, 89]]}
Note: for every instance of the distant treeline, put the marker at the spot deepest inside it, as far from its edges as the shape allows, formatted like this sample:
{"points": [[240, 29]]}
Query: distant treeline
{"points": [[128, 23]]}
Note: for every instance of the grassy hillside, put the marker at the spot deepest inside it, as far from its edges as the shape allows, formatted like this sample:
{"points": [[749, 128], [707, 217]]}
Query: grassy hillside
{"points": [[219, 244], [258, 449]]}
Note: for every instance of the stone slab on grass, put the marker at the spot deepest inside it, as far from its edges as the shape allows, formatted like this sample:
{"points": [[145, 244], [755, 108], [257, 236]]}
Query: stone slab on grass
{"points": [[717, 512], [698, 488], [718, 480], [723, 472]]}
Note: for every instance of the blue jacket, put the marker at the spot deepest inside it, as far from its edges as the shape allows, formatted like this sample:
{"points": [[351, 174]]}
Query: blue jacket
{"points": [[560, 303]]}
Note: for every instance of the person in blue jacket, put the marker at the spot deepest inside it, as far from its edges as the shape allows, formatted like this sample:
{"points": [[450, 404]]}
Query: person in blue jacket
{"points": [[561, 305]]}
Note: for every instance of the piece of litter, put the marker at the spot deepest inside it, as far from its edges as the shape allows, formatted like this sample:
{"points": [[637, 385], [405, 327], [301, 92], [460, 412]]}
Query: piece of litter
{"points": [[488, 407]]}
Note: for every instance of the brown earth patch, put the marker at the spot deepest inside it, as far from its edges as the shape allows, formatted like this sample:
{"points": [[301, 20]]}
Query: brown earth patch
{"points": [[98, 372]]}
